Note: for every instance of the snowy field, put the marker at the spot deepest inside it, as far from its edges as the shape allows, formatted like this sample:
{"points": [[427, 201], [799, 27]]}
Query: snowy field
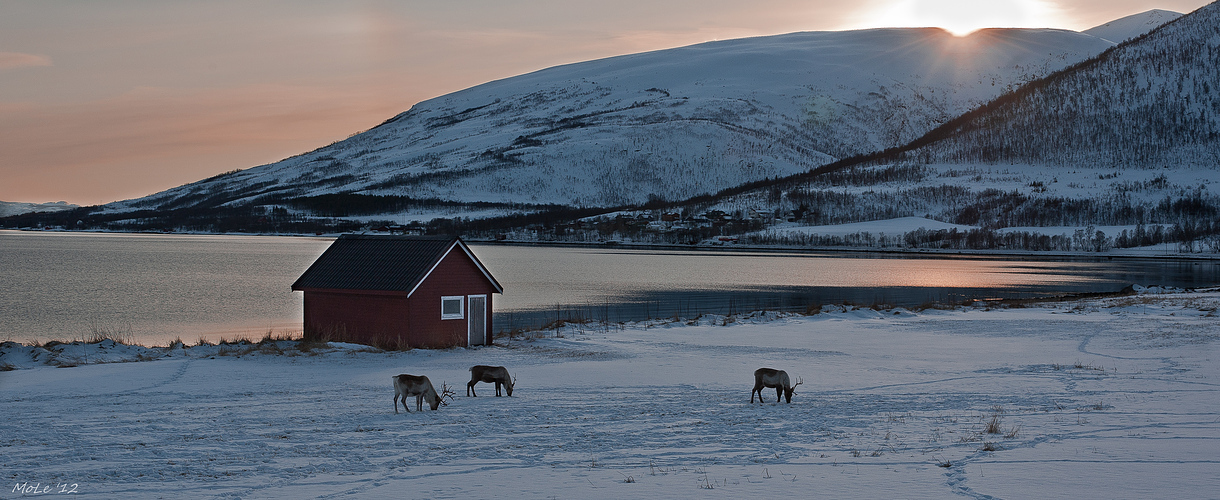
{"points": [[1098, 398]]}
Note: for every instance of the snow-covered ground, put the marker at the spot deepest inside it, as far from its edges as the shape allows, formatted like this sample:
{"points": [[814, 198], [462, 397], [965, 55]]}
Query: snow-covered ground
{"points": [[1139, 189], [1097, 398]]}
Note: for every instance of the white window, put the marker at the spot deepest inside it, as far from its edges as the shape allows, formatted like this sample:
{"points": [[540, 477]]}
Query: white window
{"points": [[452, 307]]}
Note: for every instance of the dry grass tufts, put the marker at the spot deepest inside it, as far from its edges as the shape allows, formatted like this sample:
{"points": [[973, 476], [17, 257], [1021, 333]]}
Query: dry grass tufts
{"points": [[308, 345], [272, 337], [240, 340], [1084, 366], [993, 427], [270, 348], [101, 333]]}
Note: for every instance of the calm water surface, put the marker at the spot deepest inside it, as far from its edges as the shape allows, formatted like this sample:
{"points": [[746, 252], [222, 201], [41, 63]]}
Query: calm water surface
{"points": [[545, 283], [154, 288]]}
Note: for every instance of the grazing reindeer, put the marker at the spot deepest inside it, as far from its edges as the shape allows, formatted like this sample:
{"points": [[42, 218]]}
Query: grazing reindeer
{"points": [[418, 386], [493, 374], [769, 377]]}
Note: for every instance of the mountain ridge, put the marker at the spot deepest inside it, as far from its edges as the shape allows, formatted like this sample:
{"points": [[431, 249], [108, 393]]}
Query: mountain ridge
{"points": [[1126, 28], [665, 124]]}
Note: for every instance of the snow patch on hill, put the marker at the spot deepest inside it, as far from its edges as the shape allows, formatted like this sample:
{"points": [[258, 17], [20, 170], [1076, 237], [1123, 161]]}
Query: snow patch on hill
{"points": [[1126, 28], [8, 208]]}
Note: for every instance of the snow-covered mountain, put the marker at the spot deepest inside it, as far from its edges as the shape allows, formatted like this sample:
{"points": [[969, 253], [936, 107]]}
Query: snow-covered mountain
{"points": [[1126, 28], [1152, 103], [1129, 138], [667, 124], [8, 208]]}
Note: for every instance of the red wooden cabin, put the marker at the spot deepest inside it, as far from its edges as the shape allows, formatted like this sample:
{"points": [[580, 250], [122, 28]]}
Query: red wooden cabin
{"points": [[397, 292]]}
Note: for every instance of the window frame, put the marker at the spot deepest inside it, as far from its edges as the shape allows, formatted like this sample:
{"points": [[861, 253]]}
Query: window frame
{"points": [[461, 300]]}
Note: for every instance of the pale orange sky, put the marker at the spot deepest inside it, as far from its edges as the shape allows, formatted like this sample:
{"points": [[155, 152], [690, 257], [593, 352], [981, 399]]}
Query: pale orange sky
{"points": [[103, 101]]}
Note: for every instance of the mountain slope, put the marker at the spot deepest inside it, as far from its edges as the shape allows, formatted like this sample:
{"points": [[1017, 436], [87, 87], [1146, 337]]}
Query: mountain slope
{"points": [[667, 124], [1151, 103], [1123, 29], [1130, 138]]}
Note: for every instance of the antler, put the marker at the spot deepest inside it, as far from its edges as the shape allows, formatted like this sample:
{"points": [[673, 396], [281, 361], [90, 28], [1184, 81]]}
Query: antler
{"points": [[446, 393], [799, 381]]}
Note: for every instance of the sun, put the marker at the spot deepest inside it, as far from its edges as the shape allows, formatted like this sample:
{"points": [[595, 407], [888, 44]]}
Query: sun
{"points": [[961, 17]]}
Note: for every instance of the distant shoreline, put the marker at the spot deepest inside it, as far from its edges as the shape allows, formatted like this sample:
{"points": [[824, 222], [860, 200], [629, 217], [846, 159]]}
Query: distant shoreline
{"points": [[1126, 254], [927, 252]]}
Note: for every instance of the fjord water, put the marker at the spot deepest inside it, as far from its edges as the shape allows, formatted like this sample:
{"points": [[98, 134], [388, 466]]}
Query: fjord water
{"points": [[153, 288]]}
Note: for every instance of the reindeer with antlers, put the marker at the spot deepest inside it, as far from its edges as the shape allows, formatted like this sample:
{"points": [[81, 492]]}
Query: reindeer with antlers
{"points": [[420, 387], [770, 377]]}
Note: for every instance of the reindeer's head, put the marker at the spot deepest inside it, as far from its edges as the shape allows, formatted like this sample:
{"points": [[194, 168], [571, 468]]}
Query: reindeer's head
{"points": [[790, 390], [434, 400], [508, 385]]}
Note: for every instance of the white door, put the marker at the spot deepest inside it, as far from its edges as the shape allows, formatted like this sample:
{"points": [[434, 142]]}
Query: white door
{"points": [[477, 334]]}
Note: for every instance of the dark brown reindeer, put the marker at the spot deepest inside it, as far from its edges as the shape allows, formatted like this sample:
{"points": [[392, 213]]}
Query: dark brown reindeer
{"points": [[420, 387], [770, 377], [493, 374]]}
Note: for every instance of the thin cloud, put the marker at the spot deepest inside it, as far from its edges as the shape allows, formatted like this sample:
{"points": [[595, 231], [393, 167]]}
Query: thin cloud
{"points": [[12, 60]]}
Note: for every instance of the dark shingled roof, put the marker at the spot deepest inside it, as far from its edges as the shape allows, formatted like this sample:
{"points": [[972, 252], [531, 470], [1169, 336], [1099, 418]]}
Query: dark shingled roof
{"points": [[383, 263]]}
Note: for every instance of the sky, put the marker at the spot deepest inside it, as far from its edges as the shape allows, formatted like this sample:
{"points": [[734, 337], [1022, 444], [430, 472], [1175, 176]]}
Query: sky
{"points": [[104, 101]]}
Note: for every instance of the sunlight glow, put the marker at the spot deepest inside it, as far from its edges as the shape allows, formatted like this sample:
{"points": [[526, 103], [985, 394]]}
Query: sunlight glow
{"points": [[962, 17]]}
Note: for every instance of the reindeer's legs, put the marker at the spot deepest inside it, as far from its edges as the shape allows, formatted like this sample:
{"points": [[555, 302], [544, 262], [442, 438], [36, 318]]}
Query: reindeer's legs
{"points": [[396, 403], [470, 389], [497, 388], [779, 393]]}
